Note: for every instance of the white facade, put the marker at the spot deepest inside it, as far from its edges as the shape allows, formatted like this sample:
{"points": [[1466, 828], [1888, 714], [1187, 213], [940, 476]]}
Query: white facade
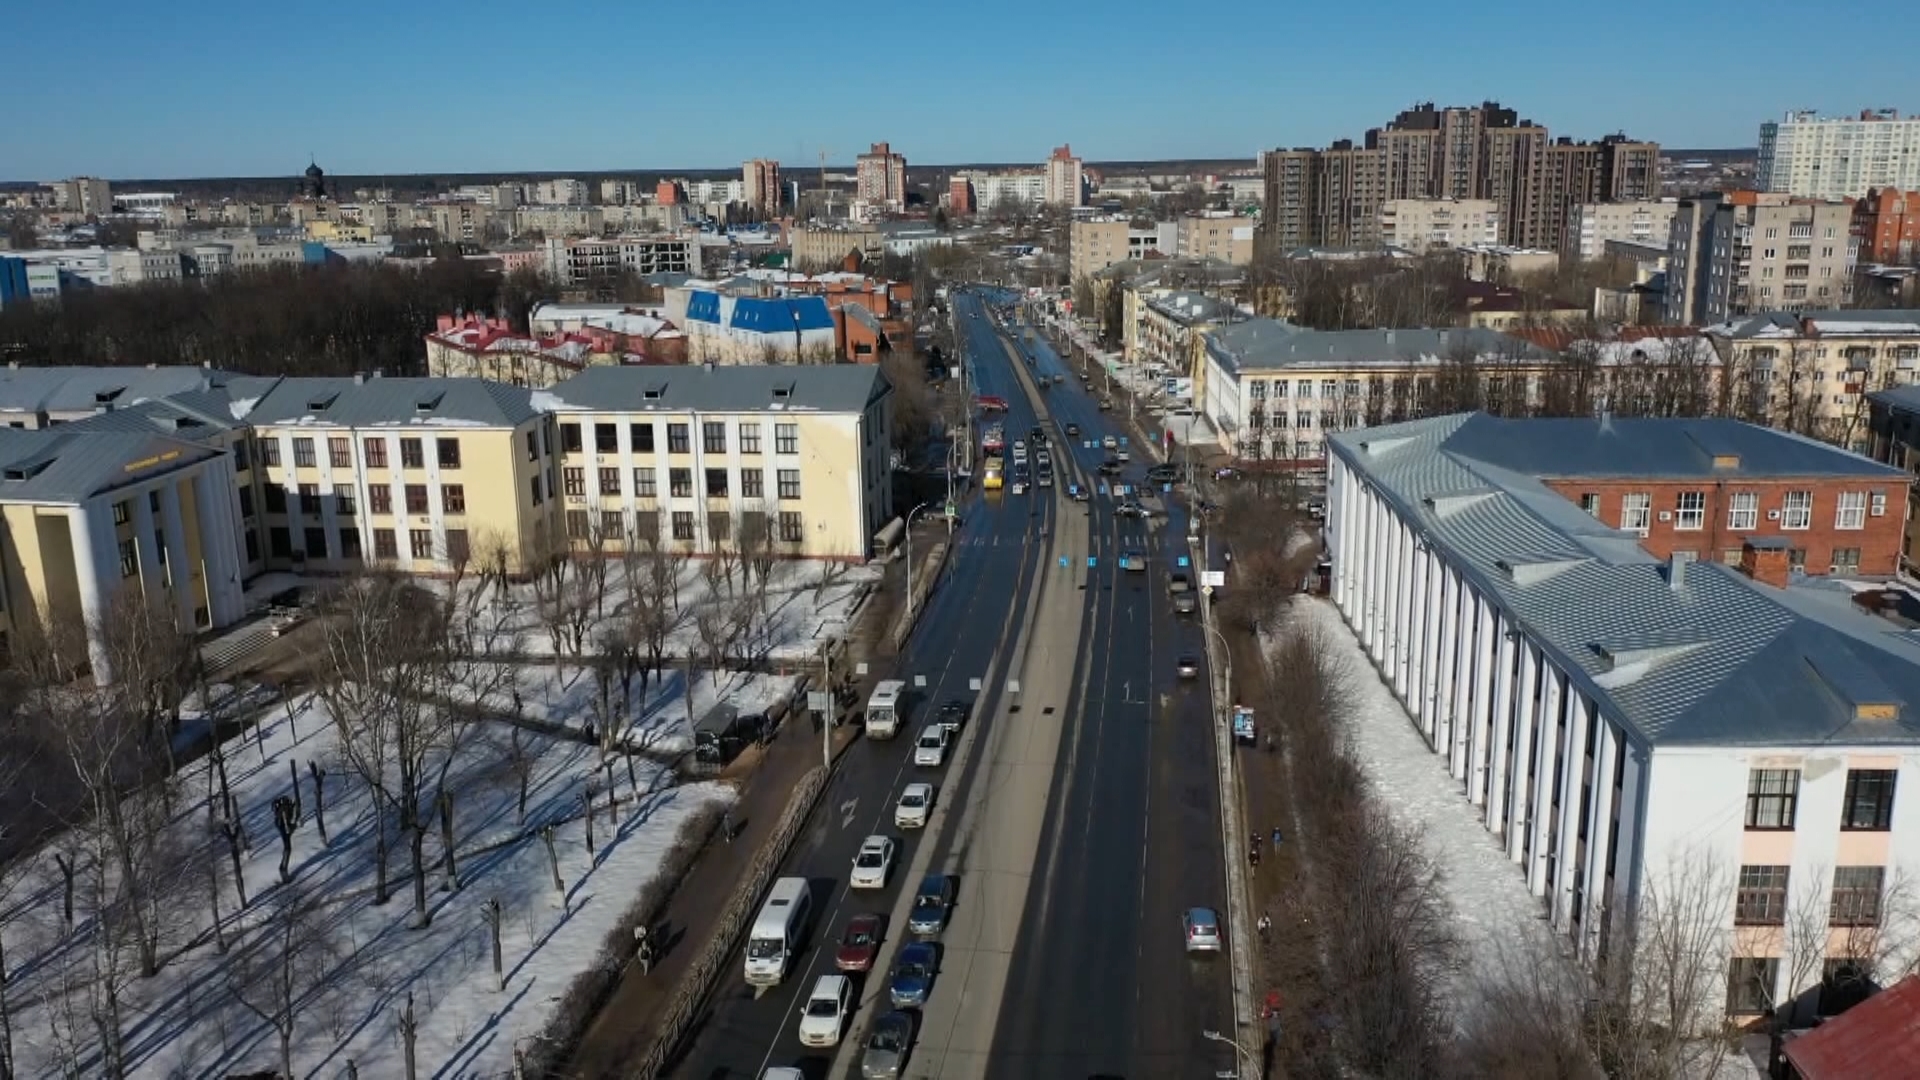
{"points": [[1811, 157], [1065, 179], [1595, 224], [1423, 224], [992, 189], [560, 192]]}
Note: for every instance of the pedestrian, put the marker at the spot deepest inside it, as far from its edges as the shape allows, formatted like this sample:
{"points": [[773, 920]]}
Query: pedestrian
{"points": [[1266, 927], [726, 824], [1276, 836], [1253, 855], [1269, 742]]}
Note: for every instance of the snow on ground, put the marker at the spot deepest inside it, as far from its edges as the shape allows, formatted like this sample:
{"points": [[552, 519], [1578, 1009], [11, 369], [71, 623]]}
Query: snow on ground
{"points": [[189, 1021], [1498, 920], [662, 715]]}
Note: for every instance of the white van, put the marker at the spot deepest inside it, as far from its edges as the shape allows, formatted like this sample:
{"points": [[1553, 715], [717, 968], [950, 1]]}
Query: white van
{"points": [[774, 942], [884, 708]]}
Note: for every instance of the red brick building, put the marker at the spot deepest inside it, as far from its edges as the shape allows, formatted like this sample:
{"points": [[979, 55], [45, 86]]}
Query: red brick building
{"points": [[1888, 225], [960, 196]]}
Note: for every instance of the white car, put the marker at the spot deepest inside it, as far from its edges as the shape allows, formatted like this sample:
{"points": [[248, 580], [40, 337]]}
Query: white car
{"points": [[826, 1012], [873, 864], [1109, 442], [1122, 455], [931, 750], [916, 803]]}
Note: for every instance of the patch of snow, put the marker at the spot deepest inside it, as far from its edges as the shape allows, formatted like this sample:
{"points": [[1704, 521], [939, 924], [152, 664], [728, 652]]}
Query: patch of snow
{"points": [[546, 401], [240, 407]]}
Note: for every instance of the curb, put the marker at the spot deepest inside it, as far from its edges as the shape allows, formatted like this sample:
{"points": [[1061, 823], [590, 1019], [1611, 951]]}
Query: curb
{"points": [[1230, 831]]}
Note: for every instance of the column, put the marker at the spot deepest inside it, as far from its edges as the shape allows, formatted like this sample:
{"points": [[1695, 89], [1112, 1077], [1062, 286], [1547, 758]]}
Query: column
{"points": [[178, 568], [1525, 710], [1573, 781], [220, 542], [1413, 640], [1499, 713], [1457, 648], [1599, 831], [92, 547], [1377, 596], [1476, 697], [1430, 659], [152, 580], [1546, 765]]}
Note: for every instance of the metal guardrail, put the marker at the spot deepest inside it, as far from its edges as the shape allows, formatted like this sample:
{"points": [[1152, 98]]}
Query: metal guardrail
{"points": [[1233, 836], [706, 971]]}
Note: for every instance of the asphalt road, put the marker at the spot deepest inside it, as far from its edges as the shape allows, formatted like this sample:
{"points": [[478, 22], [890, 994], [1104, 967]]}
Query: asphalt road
{"points": [[960, 637], [1101, 983]]}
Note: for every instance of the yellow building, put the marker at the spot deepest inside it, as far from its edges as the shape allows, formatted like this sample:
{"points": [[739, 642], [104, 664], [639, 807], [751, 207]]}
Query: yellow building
{"points": [[1812, 371], [344, 232], [707, 456]]}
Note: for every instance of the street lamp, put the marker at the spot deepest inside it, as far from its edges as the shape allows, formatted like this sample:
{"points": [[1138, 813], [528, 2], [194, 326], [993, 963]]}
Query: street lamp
{"points": [[909, 535], [1245, 1055]]}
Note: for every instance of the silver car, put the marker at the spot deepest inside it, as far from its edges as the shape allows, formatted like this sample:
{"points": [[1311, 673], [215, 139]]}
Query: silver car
{"points": [[887, 1043], [1202, 930]]}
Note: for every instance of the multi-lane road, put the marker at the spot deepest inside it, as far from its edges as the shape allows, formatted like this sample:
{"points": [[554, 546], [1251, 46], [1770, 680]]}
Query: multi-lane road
{"points": [[1079, 814]]}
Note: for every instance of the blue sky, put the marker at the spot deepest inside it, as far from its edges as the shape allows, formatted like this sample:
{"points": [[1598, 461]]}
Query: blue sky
{"points": [[218, 87]]}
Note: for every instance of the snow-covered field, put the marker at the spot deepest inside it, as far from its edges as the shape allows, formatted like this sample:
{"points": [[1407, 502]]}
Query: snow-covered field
{"points": [[661, 716], [360, 961]]}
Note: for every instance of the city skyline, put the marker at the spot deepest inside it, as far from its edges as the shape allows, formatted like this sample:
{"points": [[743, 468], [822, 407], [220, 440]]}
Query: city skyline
{"points": [[261, 91]]}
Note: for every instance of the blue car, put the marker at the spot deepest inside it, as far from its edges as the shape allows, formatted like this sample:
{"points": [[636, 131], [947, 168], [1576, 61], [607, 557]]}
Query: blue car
{"points": [[912, 976], [1076, 493]]}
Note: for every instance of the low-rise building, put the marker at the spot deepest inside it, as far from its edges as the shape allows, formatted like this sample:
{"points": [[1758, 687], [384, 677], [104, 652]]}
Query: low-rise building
{"points": [[1893, 423], [705, 458], [829, 247], [576, 261], [1505, 307], [478, 347], [1811, 371], [1422, 225], [1171, 329], [1095, 243], [723, 328], [1635, 729], [1500, 263]]}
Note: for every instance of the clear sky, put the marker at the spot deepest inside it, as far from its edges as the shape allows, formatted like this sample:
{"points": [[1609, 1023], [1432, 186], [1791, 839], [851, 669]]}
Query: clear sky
{"points": [[122, 89]]}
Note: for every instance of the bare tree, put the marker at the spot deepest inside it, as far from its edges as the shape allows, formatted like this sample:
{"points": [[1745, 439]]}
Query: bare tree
{"points": [[714, 625], [276, 975]]}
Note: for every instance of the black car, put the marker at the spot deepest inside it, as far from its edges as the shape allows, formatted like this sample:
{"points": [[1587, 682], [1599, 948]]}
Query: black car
{"points": [[1073, 429], [953, 714], [1111, 467], [1132, 508], [1164, 474]]}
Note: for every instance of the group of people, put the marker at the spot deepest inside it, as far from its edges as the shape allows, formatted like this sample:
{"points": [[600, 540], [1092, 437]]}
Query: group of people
{"points": [[1253, 847]]}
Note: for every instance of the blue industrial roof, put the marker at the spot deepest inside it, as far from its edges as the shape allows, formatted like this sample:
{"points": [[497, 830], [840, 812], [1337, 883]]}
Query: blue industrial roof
{"points": [[703, 307], [782, 314]]}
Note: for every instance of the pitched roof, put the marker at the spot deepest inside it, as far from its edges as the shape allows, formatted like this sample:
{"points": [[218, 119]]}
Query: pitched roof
{"points": [[1262, 344], [1560, 338], [1704, 656], [1878, 1039], [1675, 449], [745, 388], [85, 389], [63, 466], [385, 402], [1789, 324]]}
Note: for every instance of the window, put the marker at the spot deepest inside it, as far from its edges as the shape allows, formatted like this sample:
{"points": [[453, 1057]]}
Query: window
{"points": [[1590, 502], [641, 435], [677, 439], [646, 525], [611, 525], [719, 527], [420, 543], [786, 438], [1869, 802], [1690, 510], [682, 525], [340, 452], [303, 453], [1636, 512], [1852, 511], [606, 438], [643, 484], [410, 455], [1845, 561], [609, 480], [749, 438], [1743, 510], [1772, 795], [789, 481], [349, 542], [753, 527], [416, 498], [121, 514], [129, 558], [680, 483], [1798, 511], [1856, 895], [448, 451], [713, 436], [384, 546], [1797, 559], [533, 485], [380, 498], [309, 498], [346, 502], [790, 529], [1750, 981], [453, 498], [276, 499], [375, 448], [246, 505], [570, 438], [579, 524], [270, 452], [253, 547], [574, 479], [1730, 556], [280, 542], [752, 484], [1762, 897], [533, 445], [458, 549], [240, 456], [316, 543], [716, 483]]}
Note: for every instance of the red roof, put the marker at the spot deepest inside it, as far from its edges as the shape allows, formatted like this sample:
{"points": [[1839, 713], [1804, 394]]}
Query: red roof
{"points": [[1878, 1039]]}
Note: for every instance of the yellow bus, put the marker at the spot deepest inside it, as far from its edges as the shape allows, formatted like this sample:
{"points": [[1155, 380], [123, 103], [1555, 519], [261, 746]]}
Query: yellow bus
{"points": [[994, 474]]}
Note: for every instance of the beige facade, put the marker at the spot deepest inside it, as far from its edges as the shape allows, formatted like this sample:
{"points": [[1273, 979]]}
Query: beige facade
{"points": [[1227, 237], [1094, 245], [1811, 372], [1742, 252], [816, 249], [1420, 225], [1646, 222]]}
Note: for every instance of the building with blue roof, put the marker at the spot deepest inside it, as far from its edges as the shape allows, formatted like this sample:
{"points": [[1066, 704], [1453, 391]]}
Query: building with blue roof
{"points": [[723, 328], [1630, 725]]}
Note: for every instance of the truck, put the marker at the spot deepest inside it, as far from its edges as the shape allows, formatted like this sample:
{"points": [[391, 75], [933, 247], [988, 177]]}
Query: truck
{"points": [[725, 731], [885, 708]]}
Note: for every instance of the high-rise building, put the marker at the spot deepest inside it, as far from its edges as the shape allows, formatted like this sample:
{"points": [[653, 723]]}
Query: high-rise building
{"points": [[1065, 179], [1813, 157], [762, 180], [1334, 197], [560, 192], [960, 196], [880, 178], [1741, 252], [669, 192], [83, 195], [1887, 223]]}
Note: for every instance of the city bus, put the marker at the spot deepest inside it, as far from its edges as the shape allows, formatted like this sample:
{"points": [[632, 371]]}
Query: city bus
{"points": [[993, 473]]}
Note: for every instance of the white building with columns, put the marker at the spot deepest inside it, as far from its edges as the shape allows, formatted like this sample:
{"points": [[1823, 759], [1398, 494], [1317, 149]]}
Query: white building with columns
{"points": [[1626, 726]]}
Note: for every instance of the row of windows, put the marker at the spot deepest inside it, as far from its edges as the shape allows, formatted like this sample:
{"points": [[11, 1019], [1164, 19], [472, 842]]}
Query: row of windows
{"points": [[640, 438], [717, 484], [1856, 900], [1751, 981], [453, 499], [1689, 512], [1773, 799], [374, 447], [612, 525], [386, 544]]}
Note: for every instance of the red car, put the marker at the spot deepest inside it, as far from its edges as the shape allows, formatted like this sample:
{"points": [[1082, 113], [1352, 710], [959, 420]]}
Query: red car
{"points": [[859, 943], [991, 403]]}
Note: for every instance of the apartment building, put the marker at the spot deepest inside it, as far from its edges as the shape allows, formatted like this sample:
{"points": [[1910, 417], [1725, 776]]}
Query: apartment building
{"points": [[880, 178], [1813, 371], [88, 196], [555, 221], [701, 458], [1634, 728], [1887, 224], [459, 222], [1422, 225], [1739, 252], [960, 196], [1641, 221], [575, 261], [1066, 179], [1215, 234], [1809, 156], [1093, 244], [828, 247], [760, 185], [1893, 423], [560, 191], [1275, 391], [994, 191], [1171, 329]]}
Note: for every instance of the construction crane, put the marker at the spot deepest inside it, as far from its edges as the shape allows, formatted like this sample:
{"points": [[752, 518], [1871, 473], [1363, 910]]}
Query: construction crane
{"points": [[825, 196]]}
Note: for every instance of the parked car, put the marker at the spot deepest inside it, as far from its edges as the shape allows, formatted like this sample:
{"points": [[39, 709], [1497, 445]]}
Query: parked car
{"points": [[887, 1043], [1163, 473], [912, 977], [860, 943], [826, 1012], [872, 864], [931, 905]]}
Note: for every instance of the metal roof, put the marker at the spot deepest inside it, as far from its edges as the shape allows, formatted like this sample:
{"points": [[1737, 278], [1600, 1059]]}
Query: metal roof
{"points": [[1702, 656], [395, 402], [63, 466], [780, 314], [85, 389], [1187, 307], [745, 388], [1899, 399], [1829, 323], [1667, 449], [1270, 344]]}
